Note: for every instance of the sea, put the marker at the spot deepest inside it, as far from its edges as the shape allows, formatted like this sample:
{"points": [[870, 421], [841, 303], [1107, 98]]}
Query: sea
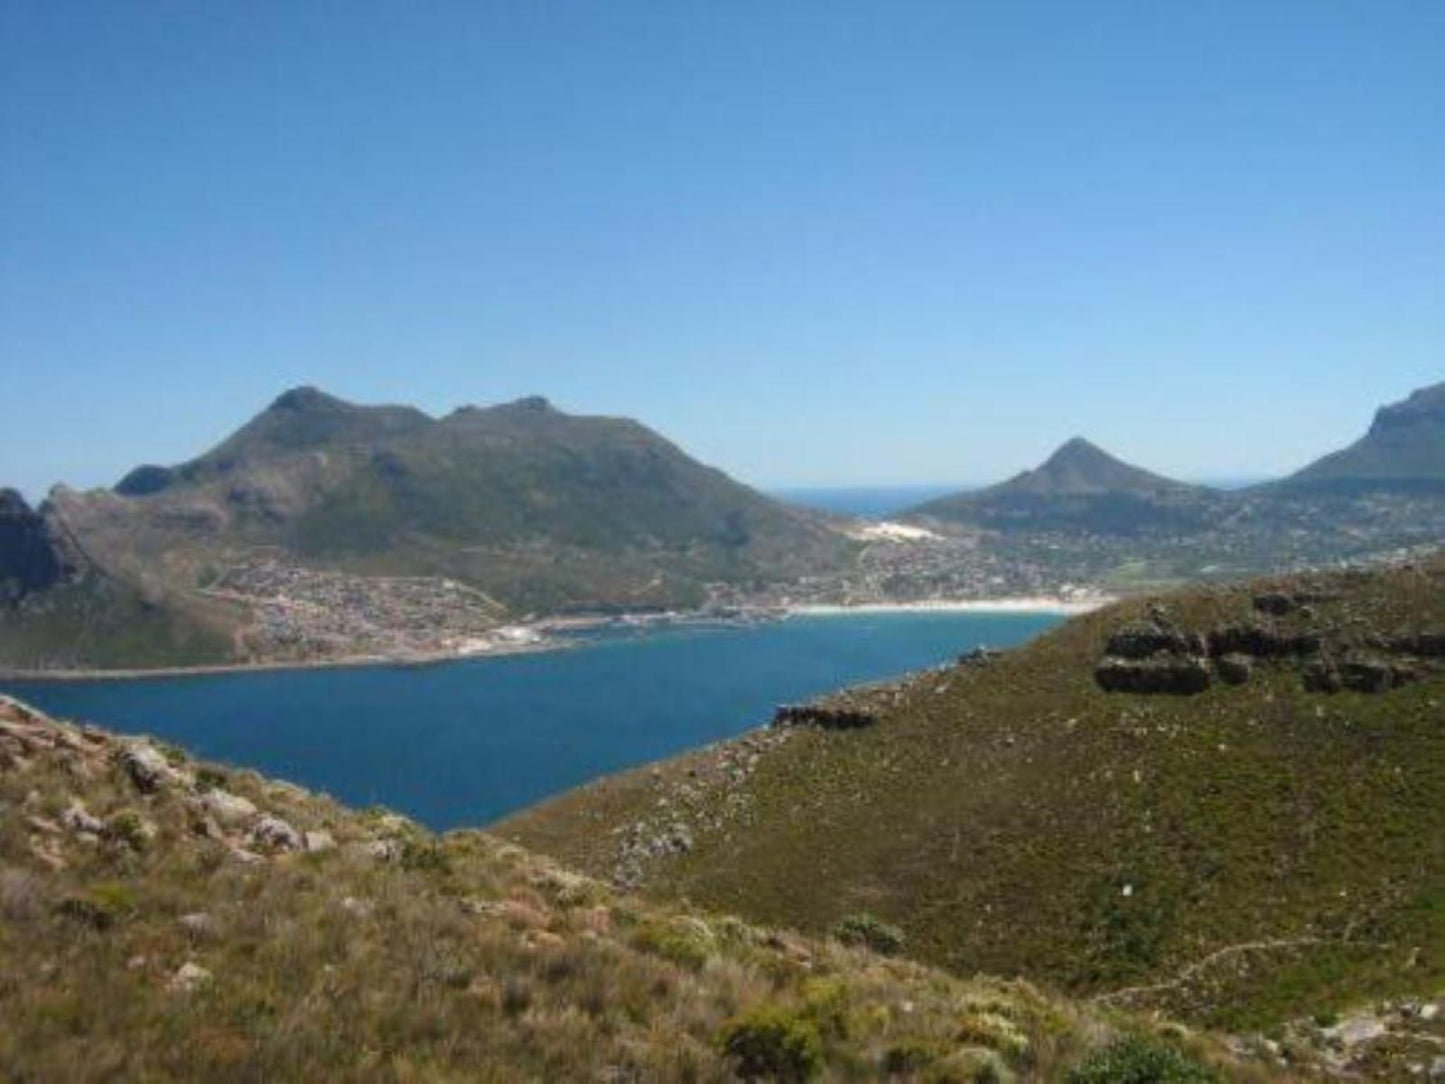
{"points": [[465, 742]]}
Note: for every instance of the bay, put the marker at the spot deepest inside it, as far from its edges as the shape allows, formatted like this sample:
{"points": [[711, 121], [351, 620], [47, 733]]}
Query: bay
{"points": [[466, 742]]}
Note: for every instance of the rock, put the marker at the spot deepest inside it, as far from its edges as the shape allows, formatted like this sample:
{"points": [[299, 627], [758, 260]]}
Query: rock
{"points": [[1172, 675], [1437, 1069], [148, 768], [272, 833], [189, 977], [79, 819], [1320, 676], [1142, 640], [200, 925], [979, 656], [1261, 642], [227, 809], [1356, 1030], [1429, 645], [1234, 669], [319, 840], [1366, 675], [1275, 603], [825, 718], [382, 850]]}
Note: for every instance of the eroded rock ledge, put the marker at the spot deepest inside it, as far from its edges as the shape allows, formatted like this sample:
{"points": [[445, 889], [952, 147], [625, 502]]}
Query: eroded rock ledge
{"points": [[1157, 656]]}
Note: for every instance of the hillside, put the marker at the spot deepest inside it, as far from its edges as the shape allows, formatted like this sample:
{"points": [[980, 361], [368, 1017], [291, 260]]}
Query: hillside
{"points": [[1248, 838], [1079, 487], [165, 919], [1404, 448], [322, 528]]}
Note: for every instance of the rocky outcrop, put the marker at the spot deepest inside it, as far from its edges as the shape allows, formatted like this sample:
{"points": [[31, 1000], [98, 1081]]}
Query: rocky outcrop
{"points": [[1261, 642], [1179, 675], [824, 716], [1142, 640], [31, 557]]}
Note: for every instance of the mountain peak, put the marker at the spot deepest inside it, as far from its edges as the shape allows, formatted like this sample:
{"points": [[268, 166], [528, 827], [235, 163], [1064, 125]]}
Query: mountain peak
{"points": [[307, 399], [1422, 406], [1077, 450]]}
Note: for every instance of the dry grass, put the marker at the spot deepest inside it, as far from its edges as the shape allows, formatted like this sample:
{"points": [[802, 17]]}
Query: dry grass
{"points": [[398, 955]]}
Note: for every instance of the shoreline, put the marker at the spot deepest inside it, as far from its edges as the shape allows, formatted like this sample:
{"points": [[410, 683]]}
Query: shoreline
{"points": [[1039, 604], [642, 621]]}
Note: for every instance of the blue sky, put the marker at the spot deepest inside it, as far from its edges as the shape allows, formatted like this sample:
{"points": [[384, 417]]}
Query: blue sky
{"points": [[814, 243]]}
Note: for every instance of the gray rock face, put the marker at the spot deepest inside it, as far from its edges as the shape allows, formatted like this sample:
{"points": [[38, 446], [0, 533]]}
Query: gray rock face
{"points": [[272, 833], [1176, 675], [31, 557]]}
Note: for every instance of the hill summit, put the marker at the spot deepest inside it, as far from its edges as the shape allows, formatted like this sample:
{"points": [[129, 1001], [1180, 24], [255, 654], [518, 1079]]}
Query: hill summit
{"points": [[1079, 487]]}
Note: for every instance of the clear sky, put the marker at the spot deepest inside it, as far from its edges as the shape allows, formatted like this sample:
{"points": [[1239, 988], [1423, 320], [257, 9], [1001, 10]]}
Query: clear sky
{"points": [[814, 243]]}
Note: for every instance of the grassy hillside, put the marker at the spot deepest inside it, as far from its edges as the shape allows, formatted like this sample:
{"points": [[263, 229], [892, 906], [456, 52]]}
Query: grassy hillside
{"points": [[539, 508], [162, 919], [1240, 856]]}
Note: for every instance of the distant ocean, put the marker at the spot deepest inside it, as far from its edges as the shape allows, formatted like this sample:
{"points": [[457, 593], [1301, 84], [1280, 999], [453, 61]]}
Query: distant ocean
{"points": [[870, 502], [463, 743]]}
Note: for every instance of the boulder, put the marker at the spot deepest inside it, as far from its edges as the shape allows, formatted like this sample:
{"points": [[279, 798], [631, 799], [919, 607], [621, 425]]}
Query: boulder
{"points": [[1179, 676], [1366, 675], [79, 819], [1234, 669], [148, 768], [1142, 640], [1320, 676], [189, 977], [319, 840], [227, 809], [274, 834], [1261, 642]]}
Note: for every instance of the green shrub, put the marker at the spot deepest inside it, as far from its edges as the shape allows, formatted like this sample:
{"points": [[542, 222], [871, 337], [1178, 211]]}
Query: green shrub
{"points": [[127, 827], [101, 906], [687, 942], [1136, 1060], [870, 931], [772, 1043], [211, 779]]}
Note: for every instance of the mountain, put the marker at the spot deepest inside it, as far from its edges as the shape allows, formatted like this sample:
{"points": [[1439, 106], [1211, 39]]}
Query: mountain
{"points": [[31, 559], [1404, 449], [1079, 487], [169, 919], [1227, 804], [319, 516]]}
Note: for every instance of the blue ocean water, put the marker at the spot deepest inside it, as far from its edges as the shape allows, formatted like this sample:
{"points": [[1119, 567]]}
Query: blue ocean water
{"points": [[463, 743]]}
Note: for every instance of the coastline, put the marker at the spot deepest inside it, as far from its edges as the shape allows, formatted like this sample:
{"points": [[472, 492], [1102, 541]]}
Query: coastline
{"points": [[1040, 604], [1027, 605]]}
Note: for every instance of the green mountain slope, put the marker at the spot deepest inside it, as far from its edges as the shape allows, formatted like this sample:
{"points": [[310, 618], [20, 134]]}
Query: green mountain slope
{"points": [[538, 510], [1079, 487], [1405, 447], [164, 919], [1238, 855], [541, 509]]}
